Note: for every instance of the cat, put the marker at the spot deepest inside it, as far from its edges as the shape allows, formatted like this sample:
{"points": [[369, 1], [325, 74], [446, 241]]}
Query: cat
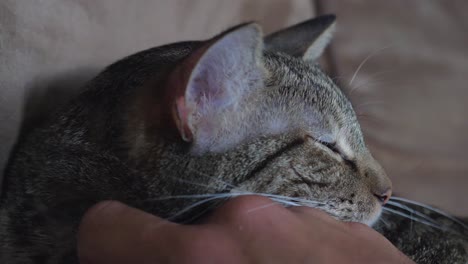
{"points": [[236, 114]]}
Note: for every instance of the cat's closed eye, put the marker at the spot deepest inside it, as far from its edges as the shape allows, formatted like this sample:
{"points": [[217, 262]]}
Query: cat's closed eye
{"points": [[327, 143], [332, 146]]}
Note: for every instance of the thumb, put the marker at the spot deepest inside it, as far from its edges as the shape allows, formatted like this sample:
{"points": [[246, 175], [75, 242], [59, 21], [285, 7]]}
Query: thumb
{"points": [[111, 232]]}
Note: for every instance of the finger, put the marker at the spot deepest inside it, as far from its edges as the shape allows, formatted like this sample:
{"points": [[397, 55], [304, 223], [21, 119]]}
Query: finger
{"points": [[112, 232], [309, 212], [246, 209], [256, 221], [320, 217], [267, 231]]}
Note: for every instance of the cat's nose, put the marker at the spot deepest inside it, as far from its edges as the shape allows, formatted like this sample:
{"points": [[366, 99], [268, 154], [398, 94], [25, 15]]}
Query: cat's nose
{"points": [[380, 184], [383, 197]]}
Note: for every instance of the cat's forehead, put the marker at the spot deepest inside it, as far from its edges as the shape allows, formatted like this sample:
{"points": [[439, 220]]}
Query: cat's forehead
{"points": [[291, 71], [300, 86]]}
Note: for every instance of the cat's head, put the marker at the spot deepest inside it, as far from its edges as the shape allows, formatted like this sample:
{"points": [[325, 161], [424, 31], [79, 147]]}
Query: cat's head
{"points": [[264, 107]]}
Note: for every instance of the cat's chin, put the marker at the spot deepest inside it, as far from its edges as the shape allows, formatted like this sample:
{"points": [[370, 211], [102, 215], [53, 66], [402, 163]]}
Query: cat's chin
{"points": [[373, 216]]}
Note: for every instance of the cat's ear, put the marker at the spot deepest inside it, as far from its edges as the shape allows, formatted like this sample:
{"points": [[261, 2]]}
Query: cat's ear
{"points": [[214, 78], [307, 39]]}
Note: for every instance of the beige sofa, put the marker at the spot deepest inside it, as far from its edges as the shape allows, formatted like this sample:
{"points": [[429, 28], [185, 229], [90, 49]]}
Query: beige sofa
{"points": [[408, 61]]}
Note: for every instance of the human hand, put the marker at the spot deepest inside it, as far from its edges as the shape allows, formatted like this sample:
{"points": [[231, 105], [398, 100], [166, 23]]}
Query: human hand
{"points": [[247, 229]]}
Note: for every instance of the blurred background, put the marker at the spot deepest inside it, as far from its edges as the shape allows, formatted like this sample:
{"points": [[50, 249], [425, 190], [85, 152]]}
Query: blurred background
{"points": [[404, 65]]}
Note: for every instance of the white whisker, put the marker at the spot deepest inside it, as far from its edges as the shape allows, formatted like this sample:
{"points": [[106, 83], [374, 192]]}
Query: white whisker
{"points": [[371, 80], [284, 200], [365, 60], [431, 209], [260, 207], [297, 199], [422, 221], [276, 201], [385, 222], [190, 207], [285, 203], [211, 177], [192, 196], [412, 211]]}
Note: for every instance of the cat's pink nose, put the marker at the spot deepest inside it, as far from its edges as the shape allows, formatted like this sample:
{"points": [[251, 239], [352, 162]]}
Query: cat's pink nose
{"points": [[385, 196]]}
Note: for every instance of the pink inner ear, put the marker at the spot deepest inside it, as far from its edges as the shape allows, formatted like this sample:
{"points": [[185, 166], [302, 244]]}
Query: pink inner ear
{"points": [[181, 117], [215, 76]]}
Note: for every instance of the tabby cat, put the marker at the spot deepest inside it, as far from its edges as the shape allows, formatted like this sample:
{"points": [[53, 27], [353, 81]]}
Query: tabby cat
{"points": [[177, 129]]}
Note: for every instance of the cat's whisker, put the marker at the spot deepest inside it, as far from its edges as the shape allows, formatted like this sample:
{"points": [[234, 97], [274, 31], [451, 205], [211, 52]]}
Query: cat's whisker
{"points": [[211, 177], [366, 59], [371, 80], [367, 85], [297, 199], [379, 73], [339, 78], [285, 203], [423, 221], [261, 207], [207, 197], [412, 211], [192, 196], [192, 206], [416, 219], [293, 201], [211, 197], [393, 198], [282, 197], [276, 201], [376, 83], [384, 222]]}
